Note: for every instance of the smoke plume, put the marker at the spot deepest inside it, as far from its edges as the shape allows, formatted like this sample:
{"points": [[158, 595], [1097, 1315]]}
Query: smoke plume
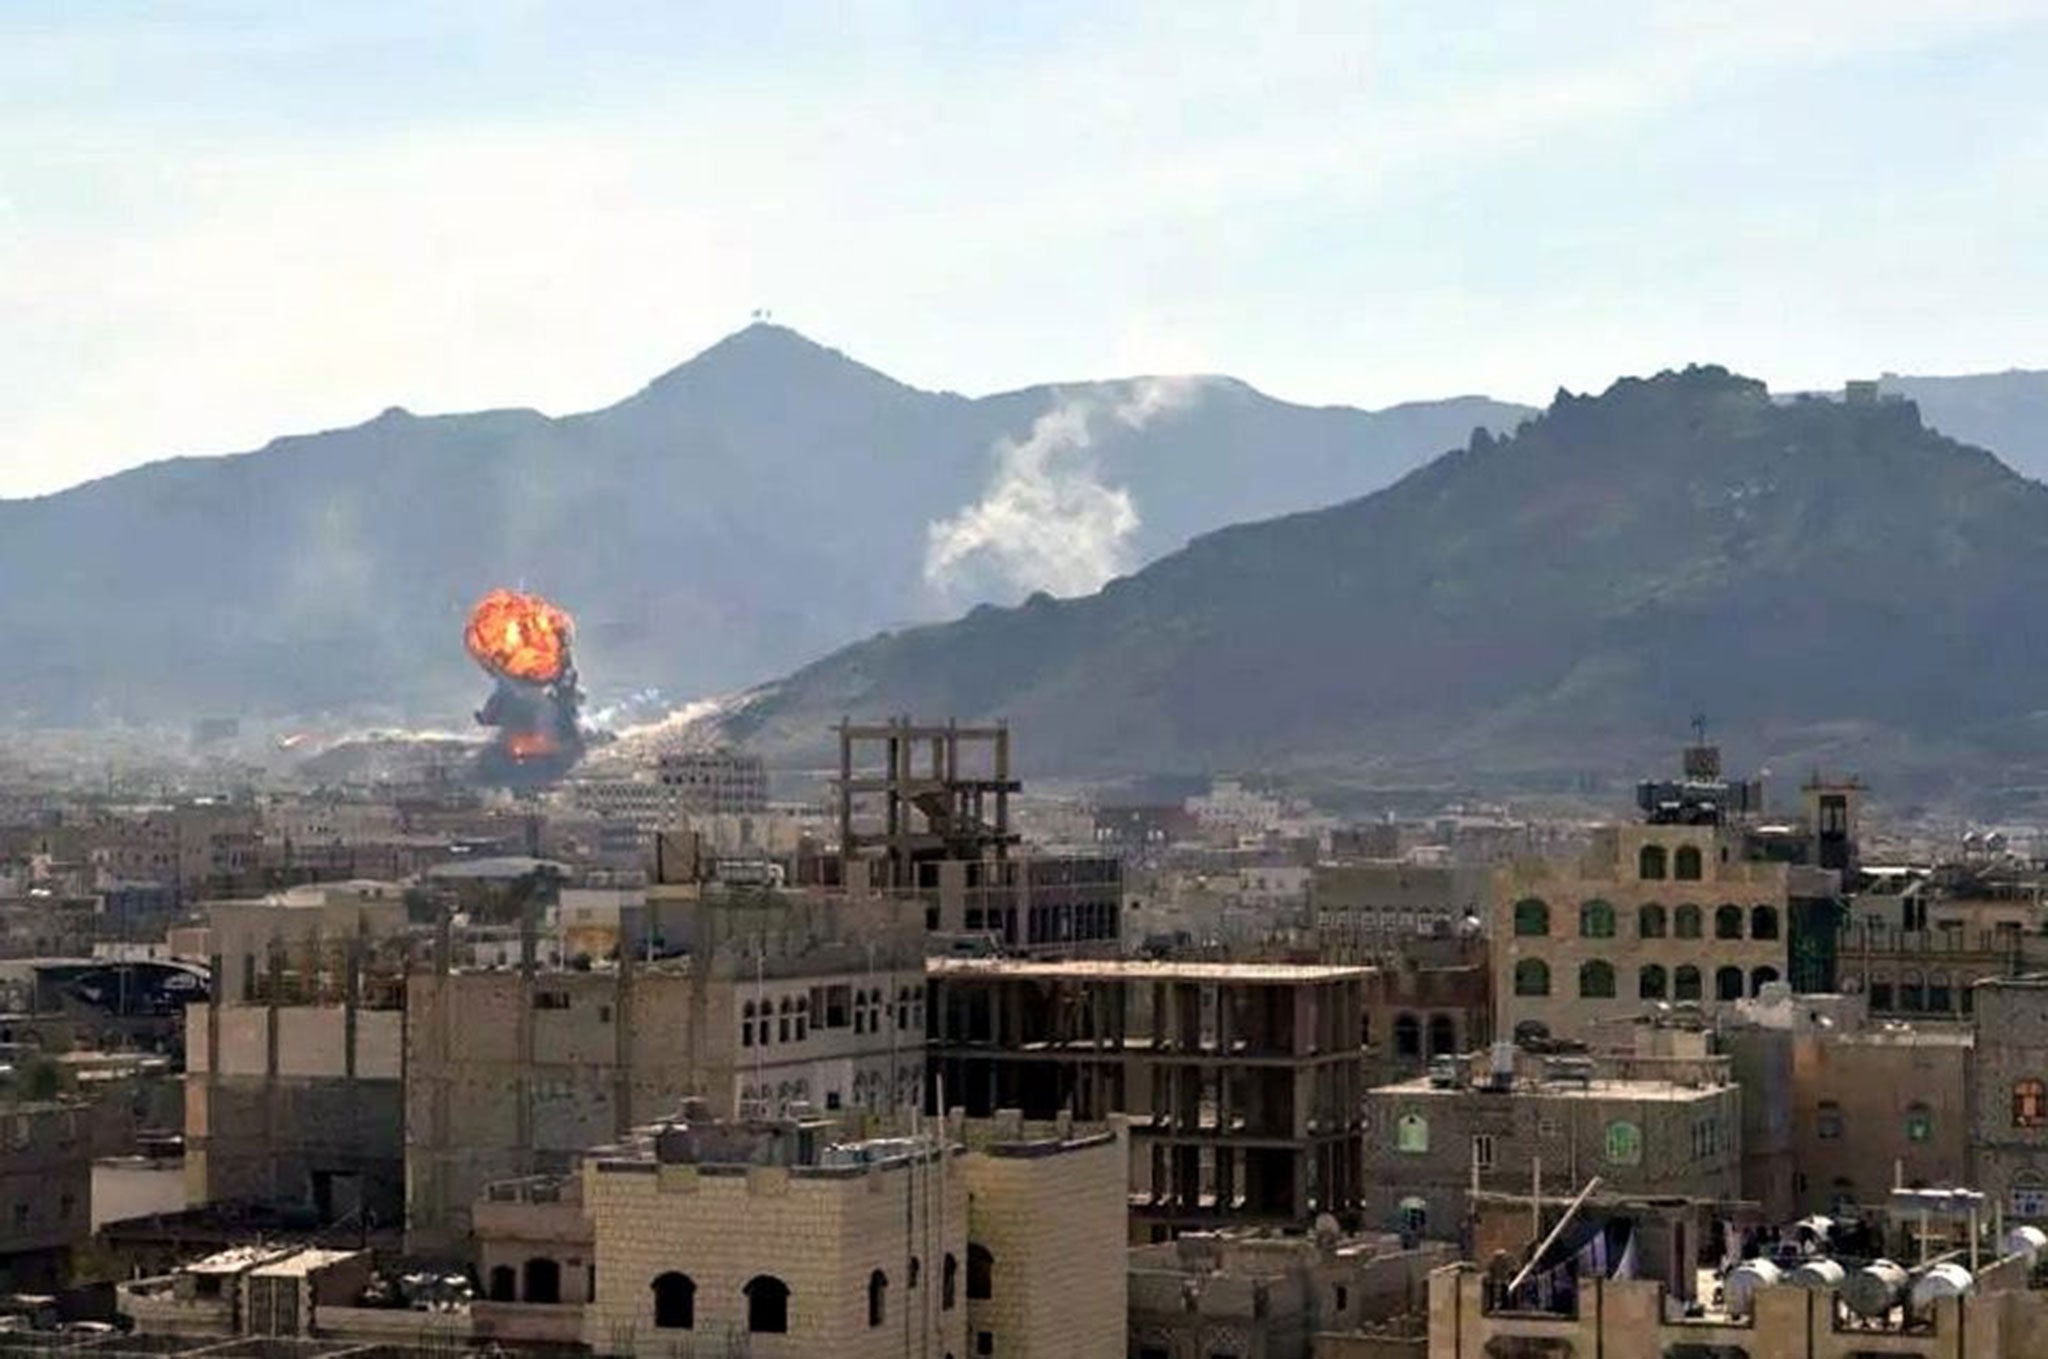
{"points": [[1048, 521]]}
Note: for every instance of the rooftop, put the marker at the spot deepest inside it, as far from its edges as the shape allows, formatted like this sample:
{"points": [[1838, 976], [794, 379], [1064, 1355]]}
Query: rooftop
{"points": [[1142, 969], [1598, 1088]]}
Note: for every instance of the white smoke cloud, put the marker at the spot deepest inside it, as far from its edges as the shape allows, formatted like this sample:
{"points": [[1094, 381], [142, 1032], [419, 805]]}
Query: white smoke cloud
{"points": [[1048, 521]]}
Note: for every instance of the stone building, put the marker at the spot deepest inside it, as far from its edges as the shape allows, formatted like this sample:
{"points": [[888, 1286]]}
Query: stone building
{"points": [[294, 1066], [1001, 1238], [2008, 1106], [1651, 913], [1433, 998], [1363, 911], [1884, 1106], [781, 1000], [45, 1192], [1259, 1296], [1661, 1123], [1242, 1080]]}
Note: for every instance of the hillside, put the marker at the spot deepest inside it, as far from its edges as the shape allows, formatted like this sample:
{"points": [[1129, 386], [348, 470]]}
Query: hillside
{"points": [[1827, 582], [762, 503]]}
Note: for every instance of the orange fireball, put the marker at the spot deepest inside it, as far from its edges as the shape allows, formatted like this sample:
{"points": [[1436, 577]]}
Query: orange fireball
{"points": [[519, 636]]}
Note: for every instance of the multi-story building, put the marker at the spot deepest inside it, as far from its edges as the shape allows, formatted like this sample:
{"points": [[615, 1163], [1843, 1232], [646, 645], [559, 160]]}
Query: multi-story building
{"points": [[1241, 1081], [1432, 998], [1666, 1121], [2008, 1105], [46, 1154], [772, 1002], [293, 1066], [1674, 909], [1367, 910], [976, 1237], [715, 782]]}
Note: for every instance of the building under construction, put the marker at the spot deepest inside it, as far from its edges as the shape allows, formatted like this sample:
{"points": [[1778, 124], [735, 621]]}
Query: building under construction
{"points": [[924, 812], [1243, 1082]]}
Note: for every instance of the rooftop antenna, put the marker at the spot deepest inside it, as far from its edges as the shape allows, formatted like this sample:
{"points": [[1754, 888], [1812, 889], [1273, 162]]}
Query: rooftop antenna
{"points": [[1699, 729]]}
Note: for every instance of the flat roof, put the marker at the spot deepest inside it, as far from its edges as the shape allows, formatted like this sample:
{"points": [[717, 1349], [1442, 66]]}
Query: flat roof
{"points": [[1143, 969], [1672, 1091]]}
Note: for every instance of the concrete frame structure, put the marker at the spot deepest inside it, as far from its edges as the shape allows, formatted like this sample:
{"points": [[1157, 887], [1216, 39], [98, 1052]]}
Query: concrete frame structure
{"points": [[1242, 1081]]}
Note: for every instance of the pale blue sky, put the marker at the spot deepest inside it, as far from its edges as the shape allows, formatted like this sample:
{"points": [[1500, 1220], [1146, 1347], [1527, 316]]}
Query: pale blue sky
{"points": [[220, 222]]}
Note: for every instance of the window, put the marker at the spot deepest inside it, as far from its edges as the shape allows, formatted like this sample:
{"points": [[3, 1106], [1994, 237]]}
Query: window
{"points": [[2029, 1195], [1340, 1298], [1414, 1215], [1407, 1036], [1532, 977], [981, 1273], [675, 1302], [1763, 922], [543, 1281], [1650, 863], [1482, 1151], [949, 1281], [1443, 1036], [1685, 865], [1596, 980], [1912, 993], [1843, 1201], [767, 1305], [1624, 1144], [1828, 1121], [1728, 983], [1651, 983], [915, 1270], [1728, 922], [1411, 1134], [1651, 922], [878, 1297], [1880, 994], [747, 1025], [1919, 1122], [1532, 917], [1685, 983], [504, 1284], [2029, 1103], [782, 1023], [1596, 920], [1685, 922], [1761, 977], [551, 1000], [984, 1342]]}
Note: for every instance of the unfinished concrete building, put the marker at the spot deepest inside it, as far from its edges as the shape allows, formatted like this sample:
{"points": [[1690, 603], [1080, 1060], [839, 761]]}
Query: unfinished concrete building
{"points": [[774, 1002], [924, 811], [1243, 1082], [293, 1069]]}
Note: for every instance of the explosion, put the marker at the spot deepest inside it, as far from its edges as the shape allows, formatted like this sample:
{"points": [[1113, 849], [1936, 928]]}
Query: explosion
{"points": [[522, 641]]}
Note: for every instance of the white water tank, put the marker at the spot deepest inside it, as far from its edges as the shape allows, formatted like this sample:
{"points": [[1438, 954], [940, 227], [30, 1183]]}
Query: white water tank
{"points": [[2027, 1241], [1743, 1282], [1945, 1280], [1875, 1289], [1821, 1275]]}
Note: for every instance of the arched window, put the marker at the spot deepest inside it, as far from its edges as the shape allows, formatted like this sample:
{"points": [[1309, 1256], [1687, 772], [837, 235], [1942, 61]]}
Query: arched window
{"points": [[1760, 977], [2029, 1103], [1938, 993], [878, 1297], [767, 1305], [1532, 977], [1596, 979], [949, 1281], [1532, 917], [1413, 1215], [1827, 1122], [1728, 983], [1596, 920], [675, 1301], [1919, 1122], [1728, 922], [543, 1281], [1407, 1036], [1685, 921], [1685, 983], [1912, 992], [1763, 922], [981, 1273], [1685, 864], [747, 1025], [1411, 1134], [1651, 983], [504, 1284], [1650, 863], [1650, 921], [1443, 1036], [1624, 1143], [788, 1013]]}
